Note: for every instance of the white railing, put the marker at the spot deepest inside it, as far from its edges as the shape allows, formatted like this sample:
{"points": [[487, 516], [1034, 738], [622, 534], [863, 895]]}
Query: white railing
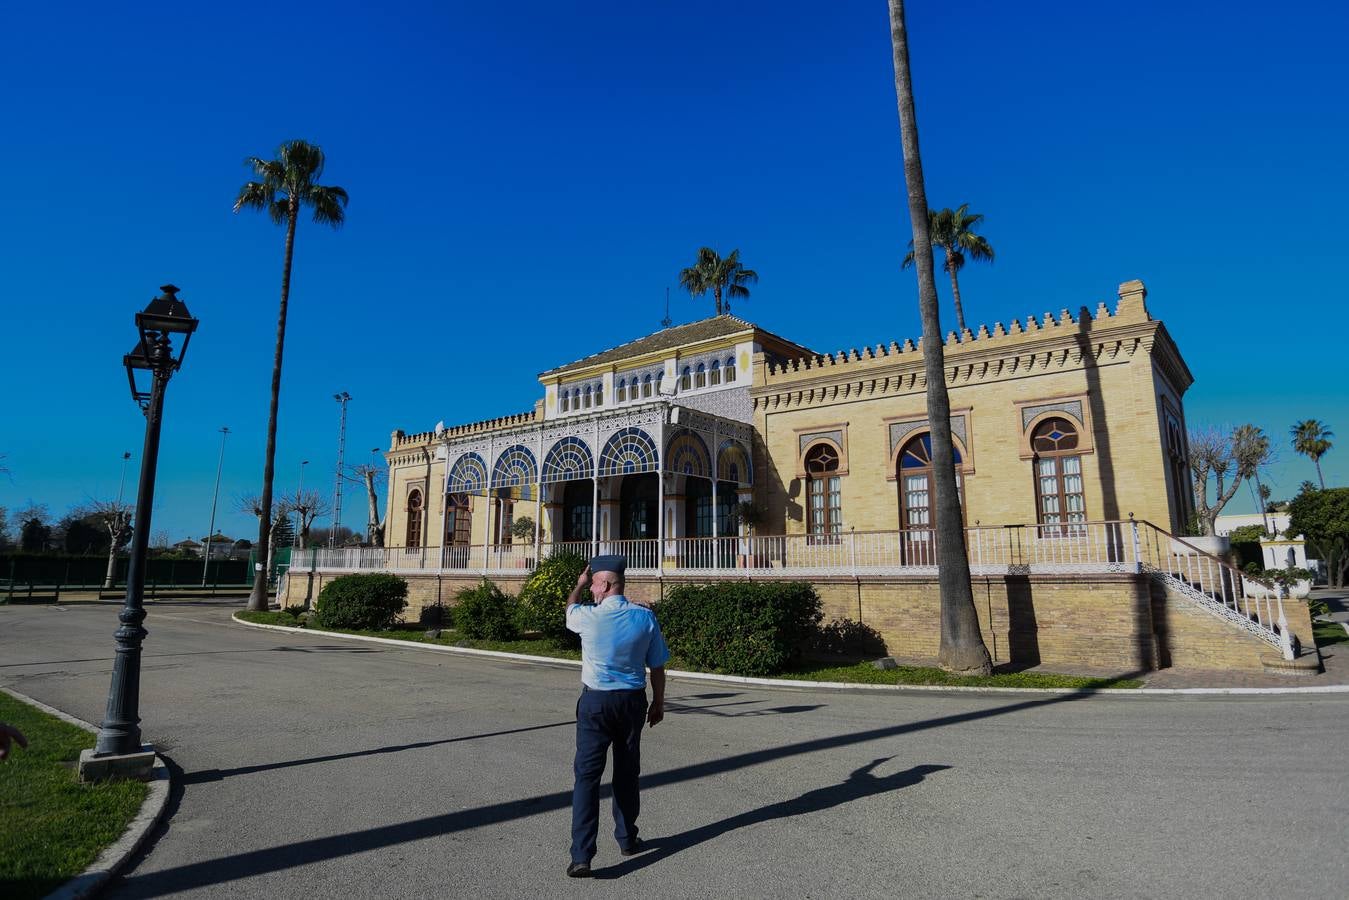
{"points": [[1216, 586]]}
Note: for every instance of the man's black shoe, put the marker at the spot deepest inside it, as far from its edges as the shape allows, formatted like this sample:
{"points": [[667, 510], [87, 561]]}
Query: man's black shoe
{"points": [[638, 846], [579, 870]]}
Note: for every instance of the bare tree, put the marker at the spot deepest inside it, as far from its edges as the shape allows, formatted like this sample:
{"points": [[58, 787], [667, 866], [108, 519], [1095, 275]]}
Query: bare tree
{"points": [[370, 475], [116, 518], [1221, 453], [307, 506], [280, 509]]}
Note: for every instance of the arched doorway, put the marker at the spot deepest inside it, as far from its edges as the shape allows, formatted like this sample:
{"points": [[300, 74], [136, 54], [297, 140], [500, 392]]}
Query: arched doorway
{"points": [[458, 529], [578, 510], [414, 519], [917, 500], [638, 505]]}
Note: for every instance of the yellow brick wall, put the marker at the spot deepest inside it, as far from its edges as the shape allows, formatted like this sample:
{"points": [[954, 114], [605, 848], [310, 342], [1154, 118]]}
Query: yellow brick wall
{"points": [[1065, 623]]}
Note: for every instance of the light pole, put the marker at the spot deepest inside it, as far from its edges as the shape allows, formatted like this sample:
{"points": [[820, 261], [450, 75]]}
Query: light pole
{"points": [[215, 495], [121, 482], [118, 750], [299, 513], [342, 400]]}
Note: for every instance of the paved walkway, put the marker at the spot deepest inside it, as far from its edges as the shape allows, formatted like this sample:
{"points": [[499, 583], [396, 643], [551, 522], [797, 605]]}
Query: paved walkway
{"points": [[315, 767]]}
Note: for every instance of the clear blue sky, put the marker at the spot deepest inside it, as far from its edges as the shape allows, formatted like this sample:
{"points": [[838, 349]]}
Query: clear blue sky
{"points": [[526, 181]]}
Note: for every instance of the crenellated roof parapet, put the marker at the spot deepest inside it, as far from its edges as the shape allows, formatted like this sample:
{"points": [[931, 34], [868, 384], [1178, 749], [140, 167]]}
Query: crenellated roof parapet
{"points": [[400, 440], [1040, 343]]}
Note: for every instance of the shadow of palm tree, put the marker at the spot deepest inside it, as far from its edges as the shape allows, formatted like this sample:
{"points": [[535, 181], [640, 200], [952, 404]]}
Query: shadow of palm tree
{"points": [[861, 783]]}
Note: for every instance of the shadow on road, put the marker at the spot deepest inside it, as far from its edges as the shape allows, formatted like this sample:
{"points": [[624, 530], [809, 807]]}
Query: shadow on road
{"points": [[315, 850], [861, 783], [206, 775]]}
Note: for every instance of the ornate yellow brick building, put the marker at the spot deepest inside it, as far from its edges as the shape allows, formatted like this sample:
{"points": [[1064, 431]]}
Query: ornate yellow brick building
{"points": [[720, 450], [1060, 420]]}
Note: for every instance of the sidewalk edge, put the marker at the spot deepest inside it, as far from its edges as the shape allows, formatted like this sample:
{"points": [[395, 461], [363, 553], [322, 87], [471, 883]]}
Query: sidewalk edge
{"points": [[830, 685]]}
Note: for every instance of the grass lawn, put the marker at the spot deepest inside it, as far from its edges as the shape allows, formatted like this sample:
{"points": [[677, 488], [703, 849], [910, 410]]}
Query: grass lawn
{"points": [[858, 673], [51, 826], [1327, 633], [866, 673]]}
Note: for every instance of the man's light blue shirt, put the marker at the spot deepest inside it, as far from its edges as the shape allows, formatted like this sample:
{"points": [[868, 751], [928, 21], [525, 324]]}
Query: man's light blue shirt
{"points": [[619, 639]]}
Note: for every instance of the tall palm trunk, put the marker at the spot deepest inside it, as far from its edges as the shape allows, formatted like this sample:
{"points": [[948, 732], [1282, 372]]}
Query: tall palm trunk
{"points": [[955, 292], [257, 600], [716, 295], [1317, 460], [962, 646]]}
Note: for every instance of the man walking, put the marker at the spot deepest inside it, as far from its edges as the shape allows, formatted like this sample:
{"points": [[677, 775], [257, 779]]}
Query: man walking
{"points": [[619, 640]]}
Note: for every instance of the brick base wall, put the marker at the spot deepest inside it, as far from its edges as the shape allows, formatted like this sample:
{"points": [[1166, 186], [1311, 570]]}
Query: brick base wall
{"points": [[1117, 622]]}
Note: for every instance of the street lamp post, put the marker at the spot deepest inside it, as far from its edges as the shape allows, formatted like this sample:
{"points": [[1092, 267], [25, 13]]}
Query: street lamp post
{"points": [[215, 495], [342, 400], [118, 750]]}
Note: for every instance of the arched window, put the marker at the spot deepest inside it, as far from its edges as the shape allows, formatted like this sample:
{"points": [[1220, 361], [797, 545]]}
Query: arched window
{"points": [[730, 369], [1058, 477], [599, 394], [622, 394], [700, 379], [587, 397], [646, 386], [824, 499], [414, 514], [562, 402], [686, 379], [575, 399], [916, 496], [714, 377]]}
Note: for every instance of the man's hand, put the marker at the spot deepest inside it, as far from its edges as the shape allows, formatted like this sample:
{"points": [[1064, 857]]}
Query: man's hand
{"points": [[583, 580], [582, 585], [655, 712], [10, 733]]}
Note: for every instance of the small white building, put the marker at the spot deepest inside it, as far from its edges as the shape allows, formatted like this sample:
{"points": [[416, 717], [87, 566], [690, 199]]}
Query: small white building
{"points": [[1226, 524]]}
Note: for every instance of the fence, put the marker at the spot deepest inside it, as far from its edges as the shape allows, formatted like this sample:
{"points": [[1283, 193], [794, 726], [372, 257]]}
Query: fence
{"points": [[90, 571]]}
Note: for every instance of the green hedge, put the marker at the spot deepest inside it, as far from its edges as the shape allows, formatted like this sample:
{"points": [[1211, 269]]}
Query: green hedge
{"points": [[361, 602], [543, 599], [740, 628], [485, 613]]}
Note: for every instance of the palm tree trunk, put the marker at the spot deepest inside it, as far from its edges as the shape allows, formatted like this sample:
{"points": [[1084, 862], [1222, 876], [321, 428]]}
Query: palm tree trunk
{"points": [[257, 600], [955, 295], [962, 646], [716, 295], [1322, 478]]}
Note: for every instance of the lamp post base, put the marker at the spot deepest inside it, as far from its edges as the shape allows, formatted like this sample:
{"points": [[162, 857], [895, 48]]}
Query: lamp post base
{"points": [[124, 765]]}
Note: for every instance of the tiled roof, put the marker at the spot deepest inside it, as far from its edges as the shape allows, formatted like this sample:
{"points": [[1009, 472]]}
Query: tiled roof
{"points": [[670, 338]]}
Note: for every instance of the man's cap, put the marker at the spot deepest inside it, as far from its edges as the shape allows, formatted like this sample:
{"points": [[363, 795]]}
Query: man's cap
{"points": [[609, 562]]}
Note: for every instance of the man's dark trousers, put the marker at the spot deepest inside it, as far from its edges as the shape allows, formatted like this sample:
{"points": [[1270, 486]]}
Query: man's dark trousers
{"points": [[604, 718]]}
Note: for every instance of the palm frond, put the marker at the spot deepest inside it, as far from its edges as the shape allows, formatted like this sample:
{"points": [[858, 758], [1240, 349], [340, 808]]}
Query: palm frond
{"points": [[254, 195], [328, 204]]}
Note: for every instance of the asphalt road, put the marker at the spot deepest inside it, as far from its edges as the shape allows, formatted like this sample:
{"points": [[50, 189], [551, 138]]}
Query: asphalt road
{"points": [[312, 767]]}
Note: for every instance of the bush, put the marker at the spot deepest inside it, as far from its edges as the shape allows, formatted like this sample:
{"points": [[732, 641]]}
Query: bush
{"points": [[485, 613], [543, 599], [368, 602], [741, 628], [844, 637]]}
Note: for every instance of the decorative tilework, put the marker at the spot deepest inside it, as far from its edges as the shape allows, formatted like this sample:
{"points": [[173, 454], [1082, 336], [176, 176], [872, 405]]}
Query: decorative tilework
{"points": [[836, 436], [899, 431], [1071, 407]]}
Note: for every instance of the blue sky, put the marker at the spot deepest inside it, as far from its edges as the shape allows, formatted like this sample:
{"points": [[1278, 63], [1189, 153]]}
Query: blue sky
{"points": [[527, 180]]}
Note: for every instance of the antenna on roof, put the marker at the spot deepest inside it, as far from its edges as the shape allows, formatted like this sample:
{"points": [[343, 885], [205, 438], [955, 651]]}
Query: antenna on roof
{"points": [[667, 321]]}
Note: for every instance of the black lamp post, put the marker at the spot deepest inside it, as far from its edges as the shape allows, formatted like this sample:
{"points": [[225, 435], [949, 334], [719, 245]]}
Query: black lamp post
{"points": [[152, 358]]}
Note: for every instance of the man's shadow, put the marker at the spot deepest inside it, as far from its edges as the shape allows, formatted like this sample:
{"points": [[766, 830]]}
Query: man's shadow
{"points": [[861, 783]]}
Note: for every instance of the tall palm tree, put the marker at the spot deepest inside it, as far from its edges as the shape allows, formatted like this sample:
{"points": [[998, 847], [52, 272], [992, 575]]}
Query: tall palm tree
{"points": [[1311, 438], [962, 646], [953, 231], [719, 275], [285, 185]]}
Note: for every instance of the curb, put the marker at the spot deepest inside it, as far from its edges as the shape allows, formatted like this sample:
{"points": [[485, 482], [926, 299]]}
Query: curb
{"points": [[116, 854], [828, 685]]}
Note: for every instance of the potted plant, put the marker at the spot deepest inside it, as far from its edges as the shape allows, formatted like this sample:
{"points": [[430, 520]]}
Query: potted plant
{"points": [[522, 529]]}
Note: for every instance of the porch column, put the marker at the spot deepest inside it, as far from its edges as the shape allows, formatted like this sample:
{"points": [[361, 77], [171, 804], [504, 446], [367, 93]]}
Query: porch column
{"points": [[595, 494], [660, 519]]}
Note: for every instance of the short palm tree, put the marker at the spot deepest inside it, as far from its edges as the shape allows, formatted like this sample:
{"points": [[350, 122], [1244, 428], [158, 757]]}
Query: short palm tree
{"points": [[284, 186], [722, 276], [952, 230], [1311, 438]]}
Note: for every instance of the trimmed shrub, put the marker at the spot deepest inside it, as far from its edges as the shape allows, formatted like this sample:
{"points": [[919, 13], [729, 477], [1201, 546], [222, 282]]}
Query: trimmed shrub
{"points": [[367, 602], [485, 613], [844, 637], [543, 599], [739, 628]]}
